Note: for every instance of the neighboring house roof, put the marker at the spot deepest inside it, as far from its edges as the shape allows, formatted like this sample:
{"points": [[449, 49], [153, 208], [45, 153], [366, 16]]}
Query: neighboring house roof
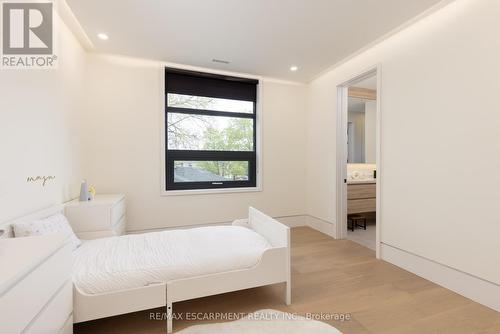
{"points": [[191, 174]]}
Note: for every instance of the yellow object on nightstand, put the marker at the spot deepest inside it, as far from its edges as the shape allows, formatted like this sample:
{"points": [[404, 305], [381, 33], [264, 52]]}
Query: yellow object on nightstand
{"points": [[92, 191]]}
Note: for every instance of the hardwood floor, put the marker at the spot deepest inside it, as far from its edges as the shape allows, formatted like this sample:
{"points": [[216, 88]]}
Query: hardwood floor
{"points": [[336, 276]]}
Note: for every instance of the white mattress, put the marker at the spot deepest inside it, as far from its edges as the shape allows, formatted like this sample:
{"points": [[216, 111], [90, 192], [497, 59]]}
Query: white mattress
{"points": [[137, 260]]}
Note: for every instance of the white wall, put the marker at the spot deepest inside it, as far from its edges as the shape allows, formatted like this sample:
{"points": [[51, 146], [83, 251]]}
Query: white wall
{"points": [[122, 152], [39, 116], [439, 180], [370, 132]]}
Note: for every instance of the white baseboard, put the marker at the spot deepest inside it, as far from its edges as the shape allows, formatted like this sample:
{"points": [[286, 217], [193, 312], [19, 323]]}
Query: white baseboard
{"points": [[291, 221], [317, 224], [183, 227], [475, 288], [321, 226]]}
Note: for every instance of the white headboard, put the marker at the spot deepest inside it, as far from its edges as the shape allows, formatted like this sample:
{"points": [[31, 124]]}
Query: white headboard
{"points": [[6, 227]]}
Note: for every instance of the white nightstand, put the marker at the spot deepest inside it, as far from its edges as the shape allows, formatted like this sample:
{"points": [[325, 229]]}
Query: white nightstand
{"points": [[104, 216]]}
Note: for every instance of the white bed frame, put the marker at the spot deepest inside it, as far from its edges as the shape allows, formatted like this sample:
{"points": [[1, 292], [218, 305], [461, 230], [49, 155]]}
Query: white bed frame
{"points": [[274, 267]]}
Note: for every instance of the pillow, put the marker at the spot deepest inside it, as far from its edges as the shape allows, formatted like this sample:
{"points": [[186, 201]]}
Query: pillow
{"points": [[52, 224]]}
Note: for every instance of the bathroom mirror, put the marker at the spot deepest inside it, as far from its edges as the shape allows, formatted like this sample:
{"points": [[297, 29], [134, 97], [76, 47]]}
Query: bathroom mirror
{"points": [[361, 130]]}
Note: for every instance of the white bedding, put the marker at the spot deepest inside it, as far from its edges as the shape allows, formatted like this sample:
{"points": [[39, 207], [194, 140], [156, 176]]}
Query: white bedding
{"points": [[137, 260]]}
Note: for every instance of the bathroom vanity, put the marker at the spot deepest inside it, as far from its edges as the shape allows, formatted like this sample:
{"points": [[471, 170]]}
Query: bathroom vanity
{"points": [[361, 196]]}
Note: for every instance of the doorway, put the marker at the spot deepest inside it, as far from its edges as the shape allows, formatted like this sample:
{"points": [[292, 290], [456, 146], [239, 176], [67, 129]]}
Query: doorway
{"points": [[358, 160]]}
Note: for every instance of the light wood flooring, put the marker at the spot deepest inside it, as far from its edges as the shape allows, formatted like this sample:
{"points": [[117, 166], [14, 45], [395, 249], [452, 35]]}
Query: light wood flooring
{"points": [[336, 276]]}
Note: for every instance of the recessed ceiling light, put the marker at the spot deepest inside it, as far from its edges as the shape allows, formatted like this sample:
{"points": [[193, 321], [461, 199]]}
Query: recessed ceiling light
{"points": [[293, 68], [103, 36]]}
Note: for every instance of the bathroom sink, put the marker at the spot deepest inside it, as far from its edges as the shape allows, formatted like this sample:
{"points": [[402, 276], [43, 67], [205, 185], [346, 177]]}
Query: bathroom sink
{"points": [[361, 180]]}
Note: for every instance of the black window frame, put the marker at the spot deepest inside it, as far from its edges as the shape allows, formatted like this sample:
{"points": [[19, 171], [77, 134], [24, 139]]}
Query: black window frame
{"points": [[222, 87]]}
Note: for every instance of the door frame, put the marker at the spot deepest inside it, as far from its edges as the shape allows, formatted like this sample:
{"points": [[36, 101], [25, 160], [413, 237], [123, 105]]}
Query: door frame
{"points": [[341, 177]]}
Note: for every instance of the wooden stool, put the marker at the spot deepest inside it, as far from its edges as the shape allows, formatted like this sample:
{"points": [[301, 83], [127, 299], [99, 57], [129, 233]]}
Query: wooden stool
{"points": [[350, 221], [356, 221]]}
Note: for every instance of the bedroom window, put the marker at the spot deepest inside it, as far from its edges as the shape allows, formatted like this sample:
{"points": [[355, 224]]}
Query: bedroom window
{"points": [[210, 131]]}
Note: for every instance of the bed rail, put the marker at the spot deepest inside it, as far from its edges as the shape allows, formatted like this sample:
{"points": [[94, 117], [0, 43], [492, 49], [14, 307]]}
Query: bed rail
{"points": [[276, 233]]}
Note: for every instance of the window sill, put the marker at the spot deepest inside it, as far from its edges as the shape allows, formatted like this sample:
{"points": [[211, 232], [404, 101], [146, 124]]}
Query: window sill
{"points": [[210, 191]]}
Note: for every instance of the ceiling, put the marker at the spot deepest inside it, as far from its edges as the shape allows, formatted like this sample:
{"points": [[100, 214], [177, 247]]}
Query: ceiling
{"points": [[261, 37]]}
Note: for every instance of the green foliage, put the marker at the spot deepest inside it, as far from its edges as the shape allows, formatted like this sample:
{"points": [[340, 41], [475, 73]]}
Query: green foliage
{"points": [[237, 136]]}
